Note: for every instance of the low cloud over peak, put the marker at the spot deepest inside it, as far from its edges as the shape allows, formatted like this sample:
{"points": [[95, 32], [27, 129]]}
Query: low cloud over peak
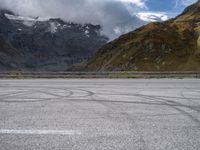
{"points": [[115, 16], [110, 14]]}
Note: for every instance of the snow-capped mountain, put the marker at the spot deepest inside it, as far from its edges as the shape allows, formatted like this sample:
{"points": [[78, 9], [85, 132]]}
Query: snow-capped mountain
{"points": [[45, 44]]}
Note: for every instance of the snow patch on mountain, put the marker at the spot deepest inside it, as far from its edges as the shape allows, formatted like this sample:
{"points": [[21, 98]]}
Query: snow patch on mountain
{"points": [[28, 21], [53, 27], [55, 24], [87, 33], [31, 21], [25, 18]]}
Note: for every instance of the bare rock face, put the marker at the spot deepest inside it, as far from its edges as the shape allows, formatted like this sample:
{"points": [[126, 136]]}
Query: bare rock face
{"points": [[45, 44], [173, 45]]}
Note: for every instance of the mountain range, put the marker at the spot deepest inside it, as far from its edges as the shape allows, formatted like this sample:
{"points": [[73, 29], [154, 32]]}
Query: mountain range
{"points": [[45, 44], [51, 44], [172, 45]]}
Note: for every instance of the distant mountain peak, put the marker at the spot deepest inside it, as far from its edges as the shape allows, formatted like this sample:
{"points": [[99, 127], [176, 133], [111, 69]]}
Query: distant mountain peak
{"points": [[45, 44]]}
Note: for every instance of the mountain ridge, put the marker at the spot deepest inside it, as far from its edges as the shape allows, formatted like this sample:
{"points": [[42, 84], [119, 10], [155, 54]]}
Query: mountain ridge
{"points": [[173, 45], [40, 44]]}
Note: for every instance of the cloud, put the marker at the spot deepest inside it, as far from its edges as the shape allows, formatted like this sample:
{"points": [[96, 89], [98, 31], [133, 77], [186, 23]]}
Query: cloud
{"points": [[153, 16], [184, 2], [139, 3], [111, 14]]}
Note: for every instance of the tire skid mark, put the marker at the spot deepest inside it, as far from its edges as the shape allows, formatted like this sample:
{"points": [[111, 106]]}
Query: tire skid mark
{"points": [[188, 98], [132, 123], [57, 97], [88, 93], [53, 94], [129, 94], [11, 94], [177, 109]]}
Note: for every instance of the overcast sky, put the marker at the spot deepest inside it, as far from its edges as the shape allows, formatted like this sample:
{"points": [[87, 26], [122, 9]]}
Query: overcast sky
{"points": [[116, 16]]}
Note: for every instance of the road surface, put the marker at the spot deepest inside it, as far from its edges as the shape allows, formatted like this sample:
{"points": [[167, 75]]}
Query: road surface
{"points": [[80, 114]]}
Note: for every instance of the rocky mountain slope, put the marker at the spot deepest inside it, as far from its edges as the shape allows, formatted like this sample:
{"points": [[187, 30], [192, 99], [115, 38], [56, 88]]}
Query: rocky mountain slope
{"points": [[161, 46], [45, 44]]}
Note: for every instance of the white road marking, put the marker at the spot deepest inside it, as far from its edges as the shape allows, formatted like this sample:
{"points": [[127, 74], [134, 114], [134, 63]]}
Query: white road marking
{"points": [[41, 132]]}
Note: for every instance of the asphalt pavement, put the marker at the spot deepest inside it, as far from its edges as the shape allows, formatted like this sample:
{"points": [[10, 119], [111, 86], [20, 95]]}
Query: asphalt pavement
{"points": [[100, 114]]}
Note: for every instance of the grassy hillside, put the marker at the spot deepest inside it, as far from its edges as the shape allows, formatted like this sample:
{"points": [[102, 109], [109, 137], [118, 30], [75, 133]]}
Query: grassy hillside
{"points": [[167, 46]]}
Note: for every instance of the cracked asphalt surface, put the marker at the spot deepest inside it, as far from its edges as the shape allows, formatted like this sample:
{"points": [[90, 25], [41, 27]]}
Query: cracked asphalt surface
{"points": [[100, 114]]}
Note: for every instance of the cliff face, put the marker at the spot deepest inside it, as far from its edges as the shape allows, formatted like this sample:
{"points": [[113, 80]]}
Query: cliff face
{"points": [[41, 44], [165, 46]]}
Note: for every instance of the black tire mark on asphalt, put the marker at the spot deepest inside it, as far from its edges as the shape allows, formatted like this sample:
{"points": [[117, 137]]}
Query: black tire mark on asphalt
{"points": [[110, 108], [176, 108], [175, 104], [11, 94], [88, 93], [9, 98], [70, 92], [132, 123], [24, 101], [128, 102], [188, 98], [157, 99], [45, 91], [93, 96], [56, 95], [128, 94]]}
